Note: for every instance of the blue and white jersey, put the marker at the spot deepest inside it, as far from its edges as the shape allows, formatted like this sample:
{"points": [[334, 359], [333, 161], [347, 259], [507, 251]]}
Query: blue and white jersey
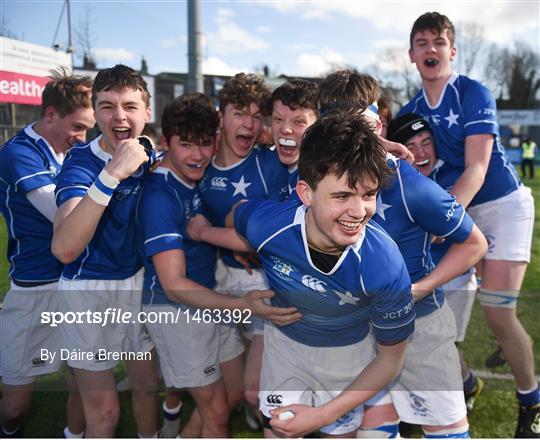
{"points": [[412, 210], [260, 175], [293, 179], [165, 206], [112, 252], [467, 108], [28, 162], [337, 307], [446, 177]]}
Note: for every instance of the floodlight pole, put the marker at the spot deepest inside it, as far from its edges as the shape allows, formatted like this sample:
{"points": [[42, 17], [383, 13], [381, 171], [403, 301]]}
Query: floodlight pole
{"points": [[195, 77], [70, 43]]}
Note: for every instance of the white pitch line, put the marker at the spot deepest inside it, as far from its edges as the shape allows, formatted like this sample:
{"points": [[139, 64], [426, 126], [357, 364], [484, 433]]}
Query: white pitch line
{"points": [[502, 376]]}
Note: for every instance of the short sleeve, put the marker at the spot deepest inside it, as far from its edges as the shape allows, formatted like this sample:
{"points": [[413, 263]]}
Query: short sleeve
{"points": [[275, 174], [247, 219], [73, 180], [24, 168], [479, 109], [432, 208], [392, 309], [160, 219]]}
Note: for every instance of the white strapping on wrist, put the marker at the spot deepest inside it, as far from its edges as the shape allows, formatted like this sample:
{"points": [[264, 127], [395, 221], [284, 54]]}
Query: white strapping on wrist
{"points": [[103, 188]]}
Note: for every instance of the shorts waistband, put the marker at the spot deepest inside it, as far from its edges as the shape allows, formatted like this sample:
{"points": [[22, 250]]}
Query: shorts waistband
{"points": [[30, 284]]}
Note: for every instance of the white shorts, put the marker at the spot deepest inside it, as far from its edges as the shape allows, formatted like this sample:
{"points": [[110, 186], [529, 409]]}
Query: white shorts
{"points": [[23, 336], [91, 339], [231, 343], [237, 282], [507, 224], [429, 389], [188, 350], [297, 373], [460, 293]]}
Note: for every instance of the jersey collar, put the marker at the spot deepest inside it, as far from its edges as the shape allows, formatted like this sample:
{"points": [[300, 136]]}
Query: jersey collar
{"points": [[293, 168], [450, 81], [300, 219], [217, 167], [31, 133], [167, 172], [96, 149]]}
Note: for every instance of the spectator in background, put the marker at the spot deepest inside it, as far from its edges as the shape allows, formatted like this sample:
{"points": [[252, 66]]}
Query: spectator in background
{"points": [[528, 156]]}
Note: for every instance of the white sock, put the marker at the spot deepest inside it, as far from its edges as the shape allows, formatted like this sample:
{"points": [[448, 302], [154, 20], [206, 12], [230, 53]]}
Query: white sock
{"points": [[69, 434], [154, 435]]}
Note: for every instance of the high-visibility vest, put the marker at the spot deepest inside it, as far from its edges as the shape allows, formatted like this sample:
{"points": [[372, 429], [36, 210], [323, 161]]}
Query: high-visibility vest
{"points": [[528, 150]]}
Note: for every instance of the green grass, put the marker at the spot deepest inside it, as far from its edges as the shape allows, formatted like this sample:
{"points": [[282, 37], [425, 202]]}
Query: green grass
{"points": [[495, 411]]}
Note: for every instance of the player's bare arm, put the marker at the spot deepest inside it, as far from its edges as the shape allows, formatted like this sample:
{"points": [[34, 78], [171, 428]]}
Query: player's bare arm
{"points": [[170, 267], [200, 229], [383, 369], [458, 259], [477, 155], [397, 149]]}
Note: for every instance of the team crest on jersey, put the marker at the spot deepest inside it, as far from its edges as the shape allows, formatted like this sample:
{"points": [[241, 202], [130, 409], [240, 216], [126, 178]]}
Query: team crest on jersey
{"points": [[196, 202], [202, 183], [121, 194], [187, 209], [53, 171], [283, 269], [418, 404]]}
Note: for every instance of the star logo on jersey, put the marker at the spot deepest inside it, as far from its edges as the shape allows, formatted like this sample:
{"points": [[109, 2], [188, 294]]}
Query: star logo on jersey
{"points": [[240, 187], [452, 118], [381, 207], [346, 298]]}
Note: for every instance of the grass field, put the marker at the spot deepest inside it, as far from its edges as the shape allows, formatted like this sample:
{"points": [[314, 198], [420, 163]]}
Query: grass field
{"points": [[494, 414]]}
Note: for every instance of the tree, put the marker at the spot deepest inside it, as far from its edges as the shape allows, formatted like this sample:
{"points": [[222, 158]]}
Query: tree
{"points": [[470, 44], [5, 31], [394, 71], [85, 38], [514, 74]]}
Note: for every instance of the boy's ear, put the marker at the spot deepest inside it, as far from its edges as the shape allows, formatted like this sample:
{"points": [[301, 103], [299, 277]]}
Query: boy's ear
{"points": [[411, 53], [453, 53], [50, 114], [220, 120], [305, 193], [378, 127], [163, 143]]}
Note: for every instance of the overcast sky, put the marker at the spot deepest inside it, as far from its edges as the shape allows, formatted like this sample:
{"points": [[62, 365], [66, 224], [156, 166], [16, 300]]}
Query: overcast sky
{"points": [[291, 37]]}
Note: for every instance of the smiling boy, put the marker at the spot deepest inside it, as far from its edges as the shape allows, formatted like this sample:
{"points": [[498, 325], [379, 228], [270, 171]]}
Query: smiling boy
{"points": [[294, 110], [463, 117], [29, 164], [321, 254]]}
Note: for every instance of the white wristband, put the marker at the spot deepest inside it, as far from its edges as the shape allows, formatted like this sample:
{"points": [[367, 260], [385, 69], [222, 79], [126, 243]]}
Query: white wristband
{"points": [[103, 188]]}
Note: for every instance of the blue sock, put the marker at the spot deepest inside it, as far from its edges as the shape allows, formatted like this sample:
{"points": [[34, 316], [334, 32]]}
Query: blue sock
{"points": [[469, 383], [529, 399]]}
